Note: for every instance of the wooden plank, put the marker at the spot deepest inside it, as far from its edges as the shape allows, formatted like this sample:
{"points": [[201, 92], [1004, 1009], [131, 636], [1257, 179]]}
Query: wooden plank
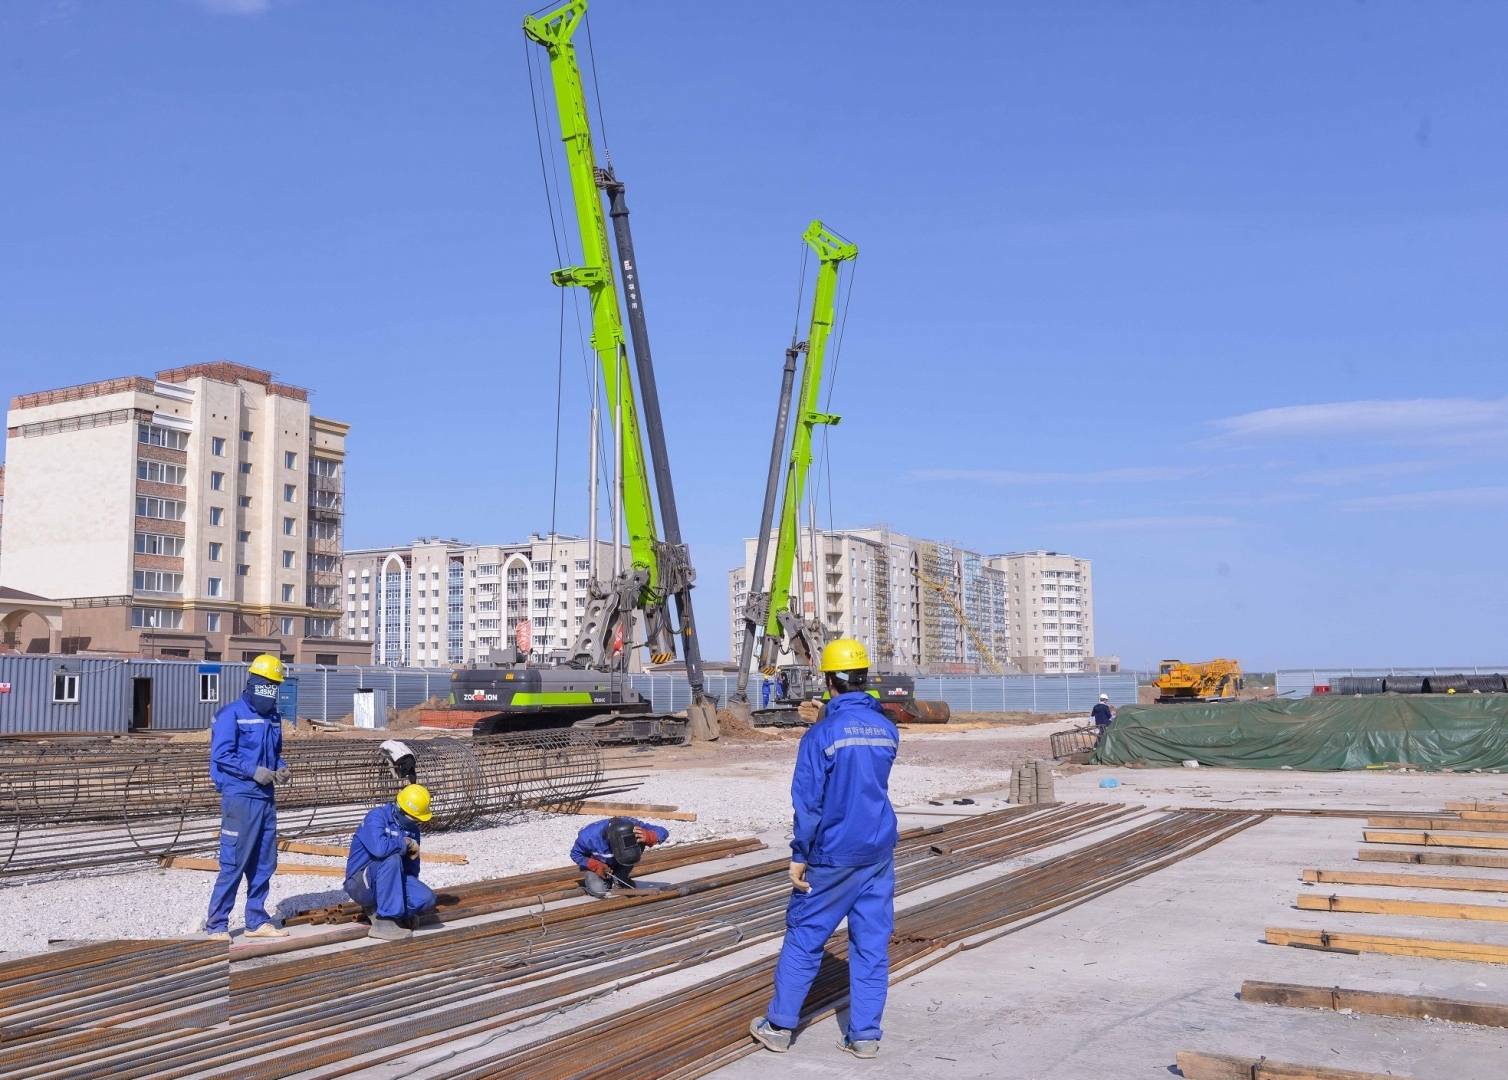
{"points": [[1439, 824], [1431, 948], [183, 862], [1478, 804], [643, 810], [1484, 815], [300, 847], [1406, 881], [1199, 1065], [1373, 905], [1435, 858], [1434, 839], [1412, 1006]]}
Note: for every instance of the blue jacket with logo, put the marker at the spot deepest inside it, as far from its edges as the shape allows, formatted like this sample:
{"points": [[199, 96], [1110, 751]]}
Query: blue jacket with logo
{"points": [[841, 787], [591, 842], [382, 834], [239, 741]]}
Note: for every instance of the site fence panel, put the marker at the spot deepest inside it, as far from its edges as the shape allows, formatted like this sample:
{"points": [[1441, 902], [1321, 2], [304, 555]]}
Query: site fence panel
{"points": [[1300, 682], [326, 693]]}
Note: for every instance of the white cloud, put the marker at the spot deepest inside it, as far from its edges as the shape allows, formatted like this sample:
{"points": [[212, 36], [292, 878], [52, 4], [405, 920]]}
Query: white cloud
{"points": [[234, 7], [1140, 475], [1479, 498], [1431, 420], [1144, 524]]}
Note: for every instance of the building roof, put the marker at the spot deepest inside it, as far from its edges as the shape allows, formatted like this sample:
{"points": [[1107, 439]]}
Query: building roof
{"points": [[226, 372], [137, 383]]}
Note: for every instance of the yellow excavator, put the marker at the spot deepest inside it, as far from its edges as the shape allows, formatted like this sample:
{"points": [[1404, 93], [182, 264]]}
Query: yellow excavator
{"points": [[1214, 680]]}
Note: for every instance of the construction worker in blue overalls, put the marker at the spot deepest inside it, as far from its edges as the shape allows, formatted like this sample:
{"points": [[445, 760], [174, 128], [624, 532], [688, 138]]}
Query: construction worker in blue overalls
{"points": [[608, 850], [842, 856], [382, 870], [245, 760]]}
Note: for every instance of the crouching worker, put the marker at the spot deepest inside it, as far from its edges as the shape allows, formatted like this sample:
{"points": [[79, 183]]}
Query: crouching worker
{"points": [[382, 871], [609, 850]]}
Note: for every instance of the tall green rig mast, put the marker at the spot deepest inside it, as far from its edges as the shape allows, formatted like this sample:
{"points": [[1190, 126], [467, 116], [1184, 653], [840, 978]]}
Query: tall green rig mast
{"points": [[660, 569]]}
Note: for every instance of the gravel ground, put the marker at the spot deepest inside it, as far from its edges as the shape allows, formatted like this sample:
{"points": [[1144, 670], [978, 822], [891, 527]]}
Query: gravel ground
{"points": [[737, 788]]}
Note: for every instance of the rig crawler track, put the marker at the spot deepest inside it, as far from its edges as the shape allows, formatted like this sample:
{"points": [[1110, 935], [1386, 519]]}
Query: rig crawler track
{"points": [[333, 1014]]}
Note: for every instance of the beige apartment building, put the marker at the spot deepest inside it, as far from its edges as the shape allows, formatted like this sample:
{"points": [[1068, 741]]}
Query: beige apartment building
{"points": [[439, 603], [1052, 611], [195, 514]]}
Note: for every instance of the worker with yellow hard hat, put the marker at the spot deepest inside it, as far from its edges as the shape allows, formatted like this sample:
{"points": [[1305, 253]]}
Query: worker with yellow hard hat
{"points": [[842, 857], [382, 870], [245, 762]]}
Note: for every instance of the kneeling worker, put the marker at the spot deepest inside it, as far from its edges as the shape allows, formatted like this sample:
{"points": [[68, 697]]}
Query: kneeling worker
{"points": [[842, 856], [609, 850], [382, 871]]}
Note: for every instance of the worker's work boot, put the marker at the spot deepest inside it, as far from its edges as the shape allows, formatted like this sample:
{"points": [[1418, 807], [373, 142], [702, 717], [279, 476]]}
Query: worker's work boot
{"points": [[218, 935], [860, 1048], [266, 930], [388, 930], [770, 1036]]}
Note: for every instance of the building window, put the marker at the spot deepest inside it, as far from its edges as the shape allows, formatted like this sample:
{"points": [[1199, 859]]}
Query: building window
{"points": [[209, 686], [156, 618], [217, 447], [153, 435], [214, 551], [242, 569], [287, 560], [65, 689], [245, 500], [157, 544], [288, 599], [216, 515], [246, 467], [162, 509], [244, 536], [212, 623], [158, 581], [290, 493], [246, 436], [326, 467], [159, 472], [324, 628], [287, 623], [215, 587], [289, 524], [290, 459], [217, 481]]}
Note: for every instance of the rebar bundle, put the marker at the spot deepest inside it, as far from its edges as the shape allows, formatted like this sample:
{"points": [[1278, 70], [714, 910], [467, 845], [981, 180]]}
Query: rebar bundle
{"points": [[73, 804]]}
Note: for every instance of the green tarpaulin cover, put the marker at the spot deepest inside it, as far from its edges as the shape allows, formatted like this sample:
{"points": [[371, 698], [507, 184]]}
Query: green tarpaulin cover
{"points": [[1431, 731]]}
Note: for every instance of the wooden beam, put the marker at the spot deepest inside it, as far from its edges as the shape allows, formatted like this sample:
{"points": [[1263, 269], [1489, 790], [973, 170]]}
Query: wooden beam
{"points": [[1433, 839], [300, 847], [1406, 881], [1372, 905], [609, 809], [1412, 1006], [1198, 1065], [1479, 804], [1484, 815], [1397, 946], [1439, 824], [1435, 858], [183, 862]]}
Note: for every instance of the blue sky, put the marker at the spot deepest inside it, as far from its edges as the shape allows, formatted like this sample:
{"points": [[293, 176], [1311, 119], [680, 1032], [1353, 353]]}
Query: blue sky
{"points": [[1212, 294]]}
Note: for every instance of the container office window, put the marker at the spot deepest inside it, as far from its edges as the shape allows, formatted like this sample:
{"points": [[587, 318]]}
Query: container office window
{"points": [[209, 686], [65, 689]]}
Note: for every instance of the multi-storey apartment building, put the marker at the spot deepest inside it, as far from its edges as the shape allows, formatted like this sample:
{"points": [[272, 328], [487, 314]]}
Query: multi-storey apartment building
{"points": [[1052, 607], [436, 603], [196, 514], [918, 605]]}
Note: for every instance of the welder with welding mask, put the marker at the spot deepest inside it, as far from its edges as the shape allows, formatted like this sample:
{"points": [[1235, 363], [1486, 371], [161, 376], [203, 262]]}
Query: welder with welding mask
{"points": [[608, 851], [382, 869], [842, 856], [245, 761]]}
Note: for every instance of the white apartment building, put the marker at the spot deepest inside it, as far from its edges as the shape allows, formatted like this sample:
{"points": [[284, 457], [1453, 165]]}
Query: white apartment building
{"points": [[196, 514], [1052, 610], [439, 603], [919, 606]]}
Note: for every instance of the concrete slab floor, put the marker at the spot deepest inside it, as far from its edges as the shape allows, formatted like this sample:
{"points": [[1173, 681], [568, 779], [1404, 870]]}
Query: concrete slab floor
{"points": [[1116, 987]]}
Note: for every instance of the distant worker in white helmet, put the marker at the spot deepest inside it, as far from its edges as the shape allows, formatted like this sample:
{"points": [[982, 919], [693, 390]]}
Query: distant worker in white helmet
{"points": [[1103, 714]]}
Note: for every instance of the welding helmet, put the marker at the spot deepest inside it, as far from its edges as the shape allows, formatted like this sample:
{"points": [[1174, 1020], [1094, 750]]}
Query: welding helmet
{"points": [[623, 842]]}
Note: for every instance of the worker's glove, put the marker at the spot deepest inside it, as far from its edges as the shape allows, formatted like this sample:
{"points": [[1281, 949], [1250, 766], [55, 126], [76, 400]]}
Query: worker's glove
{"points": [[646, 837], [264, 776], [598, 867], [413, 847], [283, 775], [810, 711], [798, 877]]}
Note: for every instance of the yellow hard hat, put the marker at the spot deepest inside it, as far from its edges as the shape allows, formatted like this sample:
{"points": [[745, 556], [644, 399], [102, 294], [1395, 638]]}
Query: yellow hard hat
{"points": [[414, 801], [1452, 690], [268, 666], [845, 654]]}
